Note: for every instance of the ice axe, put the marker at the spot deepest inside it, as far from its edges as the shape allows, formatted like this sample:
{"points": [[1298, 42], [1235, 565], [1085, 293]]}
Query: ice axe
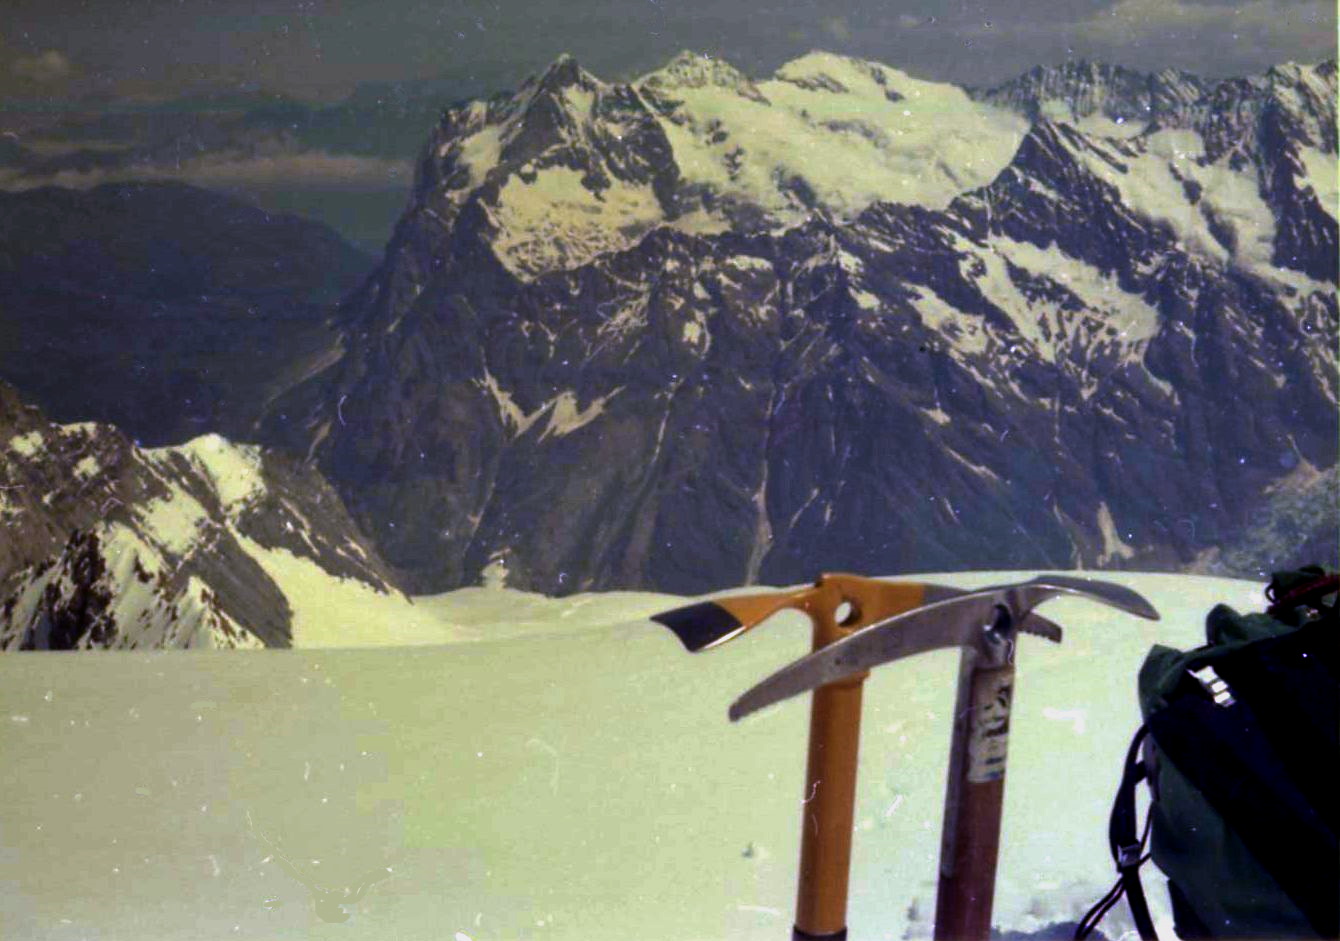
{"points": [[838, 606], [983, 623]]}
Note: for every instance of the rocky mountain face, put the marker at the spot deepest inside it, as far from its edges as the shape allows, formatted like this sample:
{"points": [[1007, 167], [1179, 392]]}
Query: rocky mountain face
{"points": [[193, 307], [700, 330], [109, 545], [1283, 122], [1101, 98]]}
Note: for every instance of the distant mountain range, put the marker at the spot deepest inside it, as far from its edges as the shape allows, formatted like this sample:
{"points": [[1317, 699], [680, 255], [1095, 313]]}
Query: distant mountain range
{"points": [[1101, 98], [700, 329], [346, 164], [164, 309], [384, 119], [703, 329]]}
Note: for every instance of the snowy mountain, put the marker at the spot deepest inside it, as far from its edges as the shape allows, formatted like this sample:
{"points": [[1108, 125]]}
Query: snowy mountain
{"points": [[110, 545], [570, 167], [700, 330]]}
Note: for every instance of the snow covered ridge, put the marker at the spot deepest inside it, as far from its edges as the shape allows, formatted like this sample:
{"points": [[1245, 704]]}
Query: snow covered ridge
{"points": [[570, 167], [109, 545], [1100, 98]]}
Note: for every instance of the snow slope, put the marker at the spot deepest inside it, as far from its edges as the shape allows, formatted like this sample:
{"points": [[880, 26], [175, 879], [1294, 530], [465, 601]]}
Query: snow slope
{"points": [[578, 782]]}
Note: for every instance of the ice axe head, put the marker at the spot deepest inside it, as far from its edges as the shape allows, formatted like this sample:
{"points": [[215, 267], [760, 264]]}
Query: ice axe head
{"points": [[836, 604], [984, 619]]}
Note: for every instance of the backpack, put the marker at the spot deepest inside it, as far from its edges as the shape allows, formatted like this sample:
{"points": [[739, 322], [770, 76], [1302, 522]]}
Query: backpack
{"points": [[1240, 747]]}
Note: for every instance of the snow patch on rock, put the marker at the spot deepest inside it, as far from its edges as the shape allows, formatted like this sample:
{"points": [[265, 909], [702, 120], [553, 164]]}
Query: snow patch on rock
{"points": [[555, 223], [1113, 545], [233, 469], [26, 445]]}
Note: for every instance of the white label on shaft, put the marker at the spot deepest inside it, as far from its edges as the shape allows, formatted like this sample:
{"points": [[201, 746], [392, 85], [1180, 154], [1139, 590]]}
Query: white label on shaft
{"points": [[989, 725]]}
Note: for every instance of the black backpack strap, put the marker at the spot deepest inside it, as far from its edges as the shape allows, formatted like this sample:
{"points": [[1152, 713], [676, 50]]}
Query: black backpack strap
{"points": [[1127, 843], [1127, 846]]}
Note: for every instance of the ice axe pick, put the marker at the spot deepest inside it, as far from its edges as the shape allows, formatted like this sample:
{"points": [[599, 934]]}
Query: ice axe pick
{"points": [[839, 606], [983, 624]]}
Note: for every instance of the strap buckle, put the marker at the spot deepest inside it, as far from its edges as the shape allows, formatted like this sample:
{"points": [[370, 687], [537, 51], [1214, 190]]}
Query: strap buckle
{"points": [[1129, 856]]}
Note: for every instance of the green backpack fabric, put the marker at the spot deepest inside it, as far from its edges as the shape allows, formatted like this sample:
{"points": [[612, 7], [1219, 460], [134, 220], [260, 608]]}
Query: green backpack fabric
{"points": [[1241, 749]]}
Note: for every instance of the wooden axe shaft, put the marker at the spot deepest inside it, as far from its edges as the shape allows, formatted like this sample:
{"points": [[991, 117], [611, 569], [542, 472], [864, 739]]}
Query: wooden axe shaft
{"points": [[974, 796]]}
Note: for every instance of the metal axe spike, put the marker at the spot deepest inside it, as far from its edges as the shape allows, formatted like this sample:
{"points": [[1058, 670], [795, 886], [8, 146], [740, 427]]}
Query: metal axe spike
{"points": [[983, 624], [838, 606]]}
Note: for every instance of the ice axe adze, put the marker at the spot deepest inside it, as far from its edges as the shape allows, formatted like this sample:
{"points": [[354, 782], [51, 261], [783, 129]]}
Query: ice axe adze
{"points": [[838, 607], [983, 624]]}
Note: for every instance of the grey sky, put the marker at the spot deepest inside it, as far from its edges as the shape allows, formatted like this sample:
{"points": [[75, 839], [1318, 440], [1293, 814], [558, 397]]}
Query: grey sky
{"points": [[320, 49]]}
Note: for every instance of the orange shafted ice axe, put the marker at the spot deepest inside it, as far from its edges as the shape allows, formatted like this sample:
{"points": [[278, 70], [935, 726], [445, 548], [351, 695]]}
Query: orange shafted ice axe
{"points": [[837, 605], [887, 621]]}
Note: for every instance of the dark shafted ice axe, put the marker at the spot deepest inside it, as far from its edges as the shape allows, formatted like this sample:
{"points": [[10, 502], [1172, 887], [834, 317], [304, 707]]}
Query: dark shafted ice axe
{"points": [[860, 623]]}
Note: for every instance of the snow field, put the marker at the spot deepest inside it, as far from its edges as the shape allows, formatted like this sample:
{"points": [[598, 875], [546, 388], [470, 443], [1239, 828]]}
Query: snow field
{"points": [[1229, 208], [833, 122], [26, 445], [233, 469], [578, 779], [848, 131], [555, 223], [1323, 176]]}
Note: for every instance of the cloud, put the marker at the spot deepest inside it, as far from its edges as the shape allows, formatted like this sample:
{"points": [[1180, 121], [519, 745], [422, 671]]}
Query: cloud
{"points": [[44, 68], [1304, 25], [838, 28], [307, 168], [1210, 38], [310, 169]]}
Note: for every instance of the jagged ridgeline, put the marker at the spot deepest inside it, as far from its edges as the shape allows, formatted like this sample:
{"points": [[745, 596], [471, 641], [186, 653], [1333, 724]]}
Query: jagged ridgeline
{"points": [[699, 330], [205, 544]]}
